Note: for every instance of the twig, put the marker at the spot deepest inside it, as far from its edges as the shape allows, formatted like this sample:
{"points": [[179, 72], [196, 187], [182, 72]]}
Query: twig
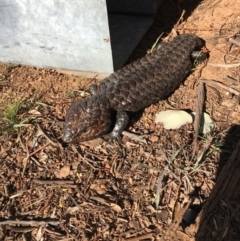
{"points": [[76, 151], [220, 30], [46, 203], [224, 65], [186, 181], [234, 81], [176, 216], [34, 223], [58, 182], [234, 41], [134, 137], [45, 135], [180, 19], [159, 188], [39, 149], [205, 62], [205, 148], [73, 200], [31, 154], [55, 233], [20, 193], [199, 112], [214, 82], [21, 229], [174, 29], [141, 237], [219, 98]]}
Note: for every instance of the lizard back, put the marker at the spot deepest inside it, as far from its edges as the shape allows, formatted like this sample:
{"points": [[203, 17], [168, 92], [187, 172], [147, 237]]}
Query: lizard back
{"points": [[152, 78]]}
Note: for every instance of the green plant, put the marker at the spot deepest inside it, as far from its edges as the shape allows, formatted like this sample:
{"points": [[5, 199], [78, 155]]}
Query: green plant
{"points": [[9, 119], [10, 111], [156, 42]]}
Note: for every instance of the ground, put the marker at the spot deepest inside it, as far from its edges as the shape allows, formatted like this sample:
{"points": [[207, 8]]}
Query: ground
{"points": [[126, 190]]}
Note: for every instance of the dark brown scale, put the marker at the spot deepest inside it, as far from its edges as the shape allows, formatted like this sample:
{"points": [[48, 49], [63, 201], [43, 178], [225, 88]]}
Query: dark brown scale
{"points": [[150, 79]]}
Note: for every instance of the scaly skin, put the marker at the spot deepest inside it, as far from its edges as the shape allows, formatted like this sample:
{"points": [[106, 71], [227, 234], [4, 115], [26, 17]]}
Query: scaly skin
{"points": [[137, 85]]}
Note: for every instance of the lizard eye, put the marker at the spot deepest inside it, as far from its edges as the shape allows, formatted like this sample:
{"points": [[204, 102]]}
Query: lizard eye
{"points": [[84, 130]]}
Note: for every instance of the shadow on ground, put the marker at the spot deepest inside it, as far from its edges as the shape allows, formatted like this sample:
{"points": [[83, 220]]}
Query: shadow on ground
{"points": [[167, 16], [220, 215]]}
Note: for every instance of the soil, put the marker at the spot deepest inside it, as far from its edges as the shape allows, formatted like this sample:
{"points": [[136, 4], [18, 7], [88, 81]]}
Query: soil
{"points": [[127, 189]]}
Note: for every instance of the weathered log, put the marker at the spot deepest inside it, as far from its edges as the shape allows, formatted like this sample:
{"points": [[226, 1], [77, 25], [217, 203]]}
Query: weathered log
{"points": [[220, 217]]}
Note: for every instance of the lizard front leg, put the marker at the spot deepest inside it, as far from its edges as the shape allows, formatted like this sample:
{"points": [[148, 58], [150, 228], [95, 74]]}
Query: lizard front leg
{"points": [[122, 120]]}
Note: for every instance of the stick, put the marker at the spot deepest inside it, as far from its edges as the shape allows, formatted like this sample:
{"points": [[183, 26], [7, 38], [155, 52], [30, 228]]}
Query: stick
{"points": [[134, 137], [225, 65], [45, 135], [58, 182], [199, 113], [25, 159], [141, 237], [234, 41], [34, 223], [214, 82], [83, 159]]}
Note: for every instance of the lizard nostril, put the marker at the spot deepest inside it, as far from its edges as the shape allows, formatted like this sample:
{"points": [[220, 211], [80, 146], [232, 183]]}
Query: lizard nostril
{"points": [[67, 136]]}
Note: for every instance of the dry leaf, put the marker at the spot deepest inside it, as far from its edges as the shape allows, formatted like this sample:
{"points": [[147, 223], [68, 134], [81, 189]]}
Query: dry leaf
{"points": [[3, 153], [99, 188], [72, 210], [115, 207], [34, 112], [64, 172], [107, 165], [93, 143], [154, 138]]}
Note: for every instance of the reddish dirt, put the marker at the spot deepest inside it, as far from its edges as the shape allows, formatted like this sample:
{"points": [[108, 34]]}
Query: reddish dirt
{"points": [[124, 190]]}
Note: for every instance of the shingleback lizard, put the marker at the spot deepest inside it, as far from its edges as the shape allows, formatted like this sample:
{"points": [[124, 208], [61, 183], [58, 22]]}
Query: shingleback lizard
{"points": [[137, 85]]}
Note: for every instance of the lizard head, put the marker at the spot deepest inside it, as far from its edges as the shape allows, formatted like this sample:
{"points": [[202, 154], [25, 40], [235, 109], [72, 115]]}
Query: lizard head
{"points": [[87, 119]]}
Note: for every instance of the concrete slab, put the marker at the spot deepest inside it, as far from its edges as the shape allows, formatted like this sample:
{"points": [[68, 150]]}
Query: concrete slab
{"points": [[70, 35]]}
